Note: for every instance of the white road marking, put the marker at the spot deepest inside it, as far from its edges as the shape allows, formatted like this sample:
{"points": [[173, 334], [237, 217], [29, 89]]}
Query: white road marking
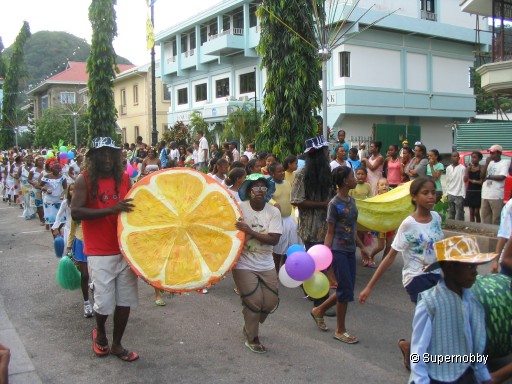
{"points": [[41, 230]]}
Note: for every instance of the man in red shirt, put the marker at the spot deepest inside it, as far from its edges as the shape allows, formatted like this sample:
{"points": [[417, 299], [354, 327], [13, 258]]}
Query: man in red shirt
{"points": [[98, 199]]}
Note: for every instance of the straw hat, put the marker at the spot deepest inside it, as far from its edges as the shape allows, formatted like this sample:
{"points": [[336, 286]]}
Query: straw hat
{"points": [[462, 249]]}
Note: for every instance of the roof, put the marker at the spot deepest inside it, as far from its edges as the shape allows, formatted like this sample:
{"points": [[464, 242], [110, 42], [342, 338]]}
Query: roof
{"points": [[74, 74]]}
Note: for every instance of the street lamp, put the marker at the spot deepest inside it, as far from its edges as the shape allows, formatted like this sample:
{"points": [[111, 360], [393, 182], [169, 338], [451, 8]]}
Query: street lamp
{"points": [[154, 133], [75, 115], [255, 99]]}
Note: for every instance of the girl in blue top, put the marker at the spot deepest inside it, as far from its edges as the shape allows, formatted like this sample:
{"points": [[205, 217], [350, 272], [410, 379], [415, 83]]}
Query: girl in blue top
{"points": [[341, 238]]}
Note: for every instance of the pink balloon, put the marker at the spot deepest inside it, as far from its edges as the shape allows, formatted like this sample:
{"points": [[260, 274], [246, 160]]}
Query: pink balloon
{"points": [[321, 255], [129, 168]]}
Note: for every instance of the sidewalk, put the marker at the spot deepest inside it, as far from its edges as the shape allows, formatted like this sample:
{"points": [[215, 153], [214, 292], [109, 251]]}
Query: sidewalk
{"points": [[21, 369]]}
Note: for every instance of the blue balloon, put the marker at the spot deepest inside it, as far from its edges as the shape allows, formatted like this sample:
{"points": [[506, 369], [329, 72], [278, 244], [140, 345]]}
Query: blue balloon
{"points": [[294, 248], [58, 246], [71, 155]]}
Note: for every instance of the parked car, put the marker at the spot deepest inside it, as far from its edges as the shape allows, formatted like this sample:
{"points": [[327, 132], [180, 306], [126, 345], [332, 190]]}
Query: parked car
{"points": [[465, 159]]}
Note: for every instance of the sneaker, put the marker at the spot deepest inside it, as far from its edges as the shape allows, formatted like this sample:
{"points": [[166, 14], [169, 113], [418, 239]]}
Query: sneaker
{"points": [[204, 291], [88, 312]]}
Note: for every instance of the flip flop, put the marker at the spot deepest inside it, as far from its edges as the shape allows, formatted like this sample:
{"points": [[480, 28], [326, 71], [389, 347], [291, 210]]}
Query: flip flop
{"points": [[160, 302], [126, 355], [99, 350], [346, 338], [256, 348], [404, 356], [320, 323]]}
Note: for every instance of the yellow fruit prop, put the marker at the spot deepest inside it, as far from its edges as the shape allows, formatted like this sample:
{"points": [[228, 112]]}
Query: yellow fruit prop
{"points": [[385, 213], [181, 235]]}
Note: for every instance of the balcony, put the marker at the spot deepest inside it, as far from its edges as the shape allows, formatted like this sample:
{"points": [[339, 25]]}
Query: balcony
{"points": [[496, 77], [224, 43], [188, 59]]}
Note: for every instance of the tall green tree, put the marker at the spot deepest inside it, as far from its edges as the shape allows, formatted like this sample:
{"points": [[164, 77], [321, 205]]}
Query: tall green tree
{"points": [[3, 65], [101, 65], [13, 78], [292, 92], [57, 124]]}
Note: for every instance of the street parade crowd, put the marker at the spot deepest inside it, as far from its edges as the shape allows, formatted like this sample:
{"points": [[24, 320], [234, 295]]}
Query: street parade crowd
{"points": [[305, 200]]}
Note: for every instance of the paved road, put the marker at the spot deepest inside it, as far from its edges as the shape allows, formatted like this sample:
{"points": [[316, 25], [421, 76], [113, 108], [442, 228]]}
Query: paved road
{"points": [[195, 338]]}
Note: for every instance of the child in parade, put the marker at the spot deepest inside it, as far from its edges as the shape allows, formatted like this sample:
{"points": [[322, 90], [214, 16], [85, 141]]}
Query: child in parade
{"points": [[290, 165], [342, 240], [53, 184], [282, 200], [362, 191], [414, 239], [75, 246], [384, 239], [449, 320]]}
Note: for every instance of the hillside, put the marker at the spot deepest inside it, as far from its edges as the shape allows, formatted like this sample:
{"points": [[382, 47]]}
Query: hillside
{"points": [[47, 52]]}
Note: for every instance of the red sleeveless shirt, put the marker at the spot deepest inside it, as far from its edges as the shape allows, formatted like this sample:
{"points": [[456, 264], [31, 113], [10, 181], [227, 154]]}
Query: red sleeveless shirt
{"points": [[100, 235]]}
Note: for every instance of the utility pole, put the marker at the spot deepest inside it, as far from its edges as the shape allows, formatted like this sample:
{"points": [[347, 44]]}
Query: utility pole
{"points": [[75, 115], [255, 99], [154, 133]]}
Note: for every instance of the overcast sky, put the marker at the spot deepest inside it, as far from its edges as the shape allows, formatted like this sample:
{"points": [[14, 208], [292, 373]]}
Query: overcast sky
{"points": [[72, 16]]}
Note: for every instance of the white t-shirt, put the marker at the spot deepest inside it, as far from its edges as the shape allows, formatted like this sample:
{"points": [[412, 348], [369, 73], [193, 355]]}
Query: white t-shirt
{"points": [[455, 180], [492, 189], [257, 256], [505, 229], [416, 242], [203, 144], [249, 155], [174, 154], [334, 164]]}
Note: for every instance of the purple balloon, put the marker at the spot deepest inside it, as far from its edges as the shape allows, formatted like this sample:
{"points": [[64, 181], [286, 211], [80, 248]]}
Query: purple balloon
{"points": [[63, 155], [300, 266]]}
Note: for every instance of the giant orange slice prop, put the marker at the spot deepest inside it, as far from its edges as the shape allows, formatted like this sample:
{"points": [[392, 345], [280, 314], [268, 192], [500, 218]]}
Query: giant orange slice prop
{"points": [[181, 236]]}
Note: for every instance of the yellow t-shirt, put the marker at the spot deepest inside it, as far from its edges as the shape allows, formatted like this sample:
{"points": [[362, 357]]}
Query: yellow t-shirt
{"points": [[361, 191], [282, 197], [289, 177]]}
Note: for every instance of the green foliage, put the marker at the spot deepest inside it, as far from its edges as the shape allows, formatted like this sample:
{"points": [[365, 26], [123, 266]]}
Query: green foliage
{"points": [[441, 207], [242, 124], [47, 53], [57, 124], [26, 139], [11, 87], [3, 64], [197, 122], [100, 66], [293, 69], [180, 133]]}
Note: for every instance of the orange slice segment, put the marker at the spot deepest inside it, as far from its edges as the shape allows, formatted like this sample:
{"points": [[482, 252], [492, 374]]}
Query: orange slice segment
{"points": [[181, 236]]}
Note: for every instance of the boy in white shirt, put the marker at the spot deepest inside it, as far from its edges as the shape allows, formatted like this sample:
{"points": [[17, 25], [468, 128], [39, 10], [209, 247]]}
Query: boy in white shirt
{"points": [[455, 188], [493, 188]]}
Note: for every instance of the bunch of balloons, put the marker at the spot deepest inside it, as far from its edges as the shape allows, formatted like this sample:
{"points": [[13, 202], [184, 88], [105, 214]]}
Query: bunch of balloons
{"points": [[131, 171], [305, 268]]}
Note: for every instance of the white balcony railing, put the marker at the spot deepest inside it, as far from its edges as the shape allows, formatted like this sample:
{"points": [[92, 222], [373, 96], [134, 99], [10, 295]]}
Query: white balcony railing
{"points": [[232, 31], [171, 60], [428, 15]]}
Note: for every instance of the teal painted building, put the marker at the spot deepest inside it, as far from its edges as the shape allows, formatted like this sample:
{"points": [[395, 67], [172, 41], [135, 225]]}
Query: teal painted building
{"points": [[406, 77]]}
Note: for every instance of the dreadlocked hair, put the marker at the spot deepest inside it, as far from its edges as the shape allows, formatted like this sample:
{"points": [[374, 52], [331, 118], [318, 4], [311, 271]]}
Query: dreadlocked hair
{"points": [[317, 177], [92, 167]]}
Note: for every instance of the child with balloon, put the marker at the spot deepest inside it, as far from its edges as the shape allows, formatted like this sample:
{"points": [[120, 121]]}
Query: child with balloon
{"points": [[341, 238]]}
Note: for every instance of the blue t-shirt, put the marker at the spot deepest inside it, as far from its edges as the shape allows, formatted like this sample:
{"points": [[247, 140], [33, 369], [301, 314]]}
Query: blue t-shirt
{"points": [[343, 214], [355, 164], [333, 153]]}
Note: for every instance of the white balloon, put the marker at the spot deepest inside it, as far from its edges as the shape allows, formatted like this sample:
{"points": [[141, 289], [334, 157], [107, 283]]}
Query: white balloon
{"points": [[286, 280]]}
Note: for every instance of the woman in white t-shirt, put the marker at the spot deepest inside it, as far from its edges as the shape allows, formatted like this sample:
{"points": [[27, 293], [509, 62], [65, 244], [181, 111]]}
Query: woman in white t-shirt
{"points": [[415, 238], [255, 274]]}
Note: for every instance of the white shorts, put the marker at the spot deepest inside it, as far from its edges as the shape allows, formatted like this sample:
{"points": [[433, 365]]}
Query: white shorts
{"points": [[288, 237], [114, 283]]}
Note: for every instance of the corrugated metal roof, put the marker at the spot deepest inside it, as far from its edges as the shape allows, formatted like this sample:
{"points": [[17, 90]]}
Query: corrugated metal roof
{"points": [[480, 136]]}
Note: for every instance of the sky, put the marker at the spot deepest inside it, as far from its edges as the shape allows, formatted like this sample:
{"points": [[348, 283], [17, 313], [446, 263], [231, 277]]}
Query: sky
{"points": [[72, 16]]}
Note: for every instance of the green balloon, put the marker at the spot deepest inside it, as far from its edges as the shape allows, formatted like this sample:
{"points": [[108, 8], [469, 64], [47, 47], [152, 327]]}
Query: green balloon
{"points": [[63, 148], [317, 286]]}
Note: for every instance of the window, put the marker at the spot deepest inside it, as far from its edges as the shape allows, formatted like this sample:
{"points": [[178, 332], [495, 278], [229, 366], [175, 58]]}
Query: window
{"points": [[174, 47], [136, 133], [182, 96], [44, 103], [124, 138], [166, 94], [201, 90], [193, 40], [428, 11], [213, 28], [345, 64], [135, 94], [67, 97], [248, 82], [204, 34], [253, 18], [222, 87], [226, 22], [238, 20], [123, 102], [184, 43]]}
